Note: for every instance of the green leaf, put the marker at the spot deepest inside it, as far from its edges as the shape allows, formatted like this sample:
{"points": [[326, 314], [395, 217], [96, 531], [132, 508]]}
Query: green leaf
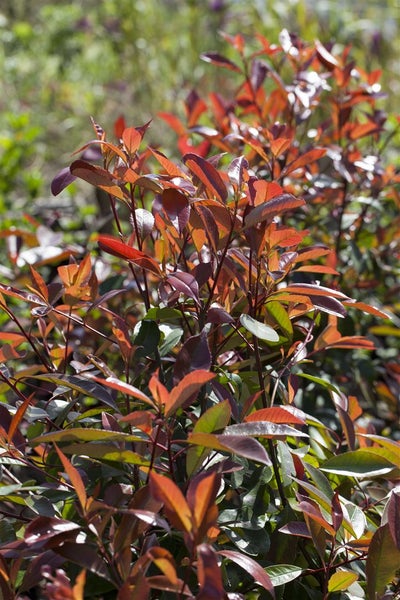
{"points": [[278, 312], [214, 419], [341, 580], [260, 330], [281, 574], [359, 463], [81, 434], [320, 381], [106, 452], [382, 562]]}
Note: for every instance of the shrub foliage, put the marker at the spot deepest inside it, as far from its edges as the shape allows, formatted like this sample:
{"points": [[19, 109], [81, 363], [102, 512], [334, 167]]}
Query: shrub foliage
{"points": [[203, 401]]}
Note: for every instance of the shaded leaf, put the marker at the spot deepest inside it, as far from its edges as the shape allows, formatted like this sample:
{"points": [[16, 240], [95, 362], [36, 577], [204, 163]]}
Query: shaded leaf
{"points": [[383, 562], [81, 385], [62, 180], [209, 574], [75, 478]]}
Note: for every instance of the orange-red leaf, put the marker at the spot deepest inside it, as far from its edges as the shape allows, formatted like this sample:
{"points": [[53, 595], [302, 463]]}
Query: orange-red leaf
{"points": [[74, 477], [276, 414], [116, 247], [175, 506], [190, 385]]}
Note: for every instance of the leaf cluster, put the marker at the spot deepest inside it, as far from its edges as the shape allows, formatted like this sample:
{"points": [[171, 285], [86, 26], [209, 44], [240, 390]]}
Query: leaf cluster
{"points": [[173, 407]]}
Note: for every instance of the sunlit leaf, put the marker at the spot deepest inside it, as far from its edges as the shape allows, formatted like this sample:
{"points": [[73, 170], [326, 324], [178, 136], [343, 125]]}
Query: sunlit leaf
{"points": [[263, 429], [281, 574], [341, 580], [116, 247], [272, 208], [260, 330], [358, 463], [175, 505]]}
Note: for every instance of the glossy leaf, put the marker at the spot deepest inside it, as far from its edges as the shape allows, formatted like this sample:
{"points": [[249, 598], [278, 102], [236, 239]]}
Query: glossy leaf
{"points": [[359, 463], [252, 567], [263, 429], [207, 174], [116, 247], [341, 580], [80, 385], [272, 208], [219, 61], [234, 444], [282, 574]]}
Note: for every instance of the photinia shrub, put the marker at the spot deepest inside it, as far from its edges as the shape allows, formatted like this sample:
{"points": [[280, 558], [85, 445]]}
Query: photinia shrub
{"points": [[174, 424]]}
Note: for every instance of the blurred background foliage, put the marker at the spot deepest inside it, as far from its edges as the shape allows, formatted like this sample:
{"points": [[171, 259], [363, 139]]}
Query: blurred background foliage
{"points": [[64, 61]]}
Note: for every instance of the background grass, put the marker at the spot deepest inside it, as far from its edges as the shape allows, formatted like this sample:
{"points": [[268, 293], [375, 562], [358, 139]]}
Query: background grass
{"points": [[64, 61]]}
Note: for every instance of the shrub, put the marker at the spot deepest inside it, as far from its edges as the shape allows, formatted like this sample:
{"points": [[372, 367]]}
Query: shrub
{"points": [[174, 408]]}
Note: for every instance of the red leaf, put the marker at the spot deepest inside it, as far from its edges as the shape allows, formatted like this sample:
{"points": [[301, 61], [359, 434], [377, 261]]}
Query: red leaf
{"points": [[62, 180], [97, 177], [393, 515], [219, 60], [119, 126], [191, 384], [175, 506], [315, 290], [116, 247], [131, 139], [171, 168], [276, 414], [325, 57], [272, 208], [209, 574], [304, 160], [75, 478], [252, 567], [201, 496], [185, 283], [207, 174], [176, 206]]}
